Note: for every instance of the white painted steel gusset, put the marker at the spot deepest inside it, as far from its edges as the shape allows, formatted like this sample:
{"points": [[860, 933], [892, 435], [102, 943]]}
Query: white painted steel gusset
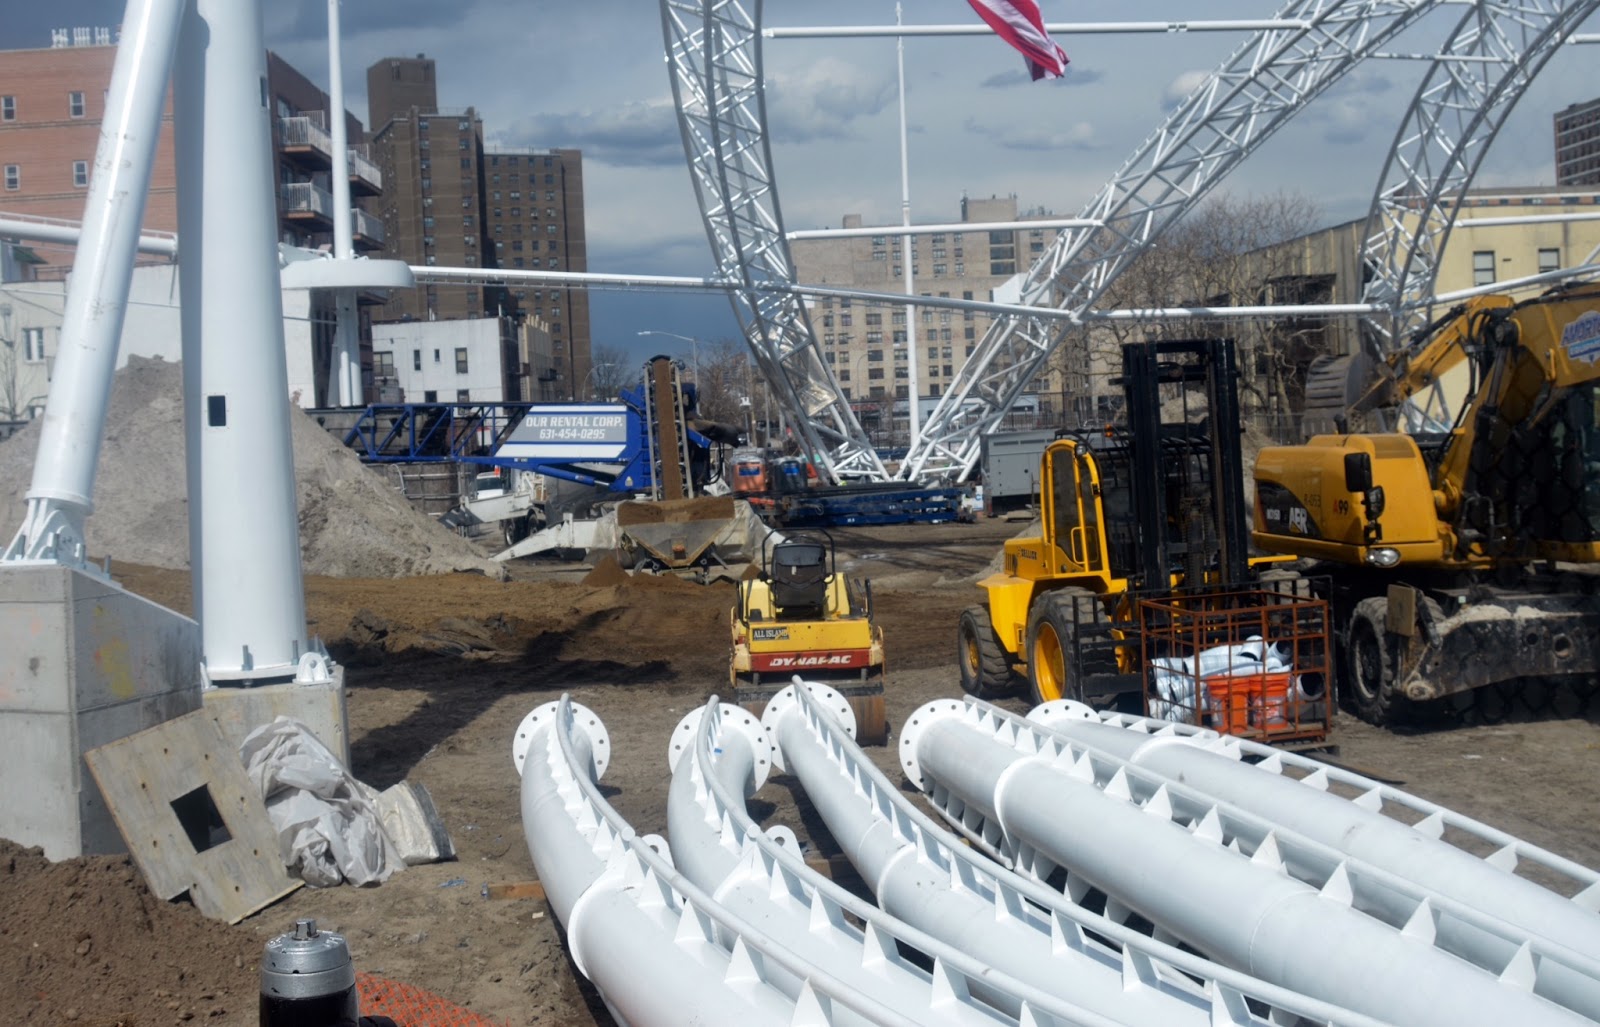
{"points": [[1351, 820], [1143, 842], [660, 951], [924, 876], [720, 755]]}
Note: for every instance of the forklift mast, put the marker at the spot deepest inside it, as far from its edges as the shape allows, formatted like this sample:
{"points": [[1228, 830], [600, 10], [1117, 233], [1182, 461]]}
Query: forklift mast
{"points": [[1186, 473]]}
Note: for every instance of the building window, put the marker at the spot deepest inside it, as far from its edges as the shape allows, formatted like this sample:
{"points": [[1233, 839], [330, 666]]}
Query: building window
{"points": [[13, 176], [416, 360], [8, 108], [1549, 260], [435, 356], [463, 395], [461, 360], [1483, 267], [75, 105], [383, 365], [430, 396], [33, 345], [80, 173]]}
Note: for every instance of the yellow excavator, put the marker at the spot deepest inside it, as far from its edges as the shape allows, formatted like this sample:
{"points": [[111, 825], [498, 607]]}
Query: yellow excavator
{"points": [[801, 615], [1460, 554]]}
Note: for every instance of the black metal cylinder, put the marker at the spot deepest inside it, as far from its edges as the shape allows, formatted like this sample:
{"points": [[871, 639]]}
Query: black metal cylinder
{"points": [[307, 980]]}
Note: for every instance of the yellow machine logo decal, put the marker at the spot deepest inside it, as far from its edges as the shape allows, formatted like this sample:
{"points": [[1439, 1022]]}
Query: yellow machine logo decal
{"points": [[769, 634], [1581, 338]]}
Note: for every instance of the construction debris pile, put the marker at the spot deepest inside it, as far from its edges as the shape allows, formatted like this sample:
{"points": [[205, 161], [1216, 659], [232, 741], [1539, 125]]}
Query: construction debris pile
{"points": [[352, 524]]}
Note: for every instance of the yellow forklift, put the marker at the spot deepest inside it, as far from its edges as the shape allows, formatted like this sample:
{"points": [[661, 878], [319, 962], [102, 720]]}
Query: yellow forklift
{"points": [[800, 615], [1141, 574]]}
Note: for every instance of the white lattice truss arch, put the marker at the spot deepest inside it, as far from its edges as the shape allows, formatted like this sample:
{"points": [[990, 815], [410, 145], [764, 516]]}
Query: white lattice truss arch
{"points": [[1475, 79]]}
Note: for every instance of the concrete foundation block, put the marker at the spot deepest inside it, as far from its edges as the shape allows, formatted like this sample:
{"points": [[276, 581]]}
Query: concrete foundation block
{"points": [[320, 706], [82, 663]]}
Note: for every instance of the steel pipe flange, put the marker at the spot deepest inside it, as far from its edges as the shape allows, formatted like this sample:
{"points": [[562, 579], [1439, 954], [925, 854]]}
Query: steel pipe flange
{"points": [[544, 716], [916, 725], [825, 695], [729, 718]]}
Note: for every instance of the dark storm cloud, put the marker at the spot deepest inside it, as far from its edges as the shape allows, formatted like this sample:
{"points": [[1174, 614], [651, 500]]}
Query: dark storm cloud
{"points": [[633, 135]]}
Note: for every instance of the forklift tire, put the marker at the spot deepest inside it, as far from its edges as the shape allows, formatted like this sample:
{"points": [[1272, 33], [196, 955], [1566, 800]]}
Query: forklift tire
{"points": [[1052, 641], [985, 671]]}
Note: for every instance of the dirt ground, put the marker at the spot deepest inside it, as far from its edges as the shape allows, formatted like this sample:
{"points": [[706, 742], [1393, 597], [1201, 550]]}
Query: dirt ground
{"points": [[440, 672]]}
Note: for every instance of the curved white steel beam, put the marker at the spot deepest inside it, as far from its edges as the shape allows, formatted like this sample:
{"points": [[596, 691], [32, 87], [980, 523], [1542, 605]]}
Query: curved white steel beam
{"points": [[719, 757], [1353, 825], [1475, 81], [714, 59], [926, 877], [660, 951], [1178, 858], [1509, 853]]}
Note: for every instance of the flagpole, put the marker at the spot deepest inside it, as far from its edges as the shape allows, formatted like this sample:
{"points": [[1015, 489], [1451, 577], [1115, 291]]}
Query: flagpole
{"points": [[907, 253]]}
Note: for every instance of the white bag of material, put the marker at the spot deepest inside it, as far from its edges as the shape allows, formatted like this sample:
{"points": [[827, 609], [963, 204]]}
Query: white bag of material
{"points": [[328, 828], [1176, 680]]}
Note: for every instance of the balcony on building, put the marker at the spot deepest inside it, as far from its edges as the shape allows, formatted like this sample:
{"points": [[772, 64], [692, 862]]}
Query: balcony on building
{"points": [[305, 141], [366, 231], [365, 177], [307, 206]]}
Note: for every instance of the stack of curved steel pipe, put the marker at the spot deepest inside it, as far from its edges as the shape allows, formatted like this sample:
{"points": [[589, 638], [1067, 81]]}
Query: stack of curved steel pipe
{"points": [[1131, 873]]}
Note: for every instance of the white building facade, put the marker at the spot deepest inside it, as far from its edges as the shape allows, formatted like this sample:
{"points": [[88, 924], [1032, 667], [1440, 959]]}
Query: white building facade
{"points": [[442, 361]]}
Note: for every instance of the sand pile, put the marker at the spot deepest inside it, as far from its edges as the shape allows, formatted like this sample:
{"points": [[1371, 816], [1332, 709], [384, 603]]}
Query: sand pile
{"points": [[352, 522]]}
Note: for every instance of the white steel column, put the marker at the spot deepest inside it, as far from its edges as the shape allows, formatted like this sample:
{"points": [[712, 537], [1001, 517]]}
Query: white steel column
{"points": [[62, 493], [1244, 911], [244, 541], [908, 253], [344, 377]]}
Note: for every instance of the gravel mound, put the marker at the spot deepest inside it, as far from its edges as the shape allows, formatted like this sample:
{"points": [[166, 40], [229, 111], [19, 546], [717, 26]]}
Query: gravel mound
{"points": [[352, 522]]}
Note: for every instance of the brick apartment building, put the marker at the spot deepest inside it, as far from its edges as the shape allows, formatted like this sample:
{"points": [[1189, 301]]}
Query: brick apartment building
{"points": [[451, 203], [52, 104], [1578, 144]]}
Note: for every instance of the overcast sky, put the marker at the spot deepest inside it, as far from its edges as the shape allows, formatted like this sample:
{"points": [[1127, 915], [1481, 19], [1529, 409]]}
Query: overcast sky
{"points": [[591, 75]]}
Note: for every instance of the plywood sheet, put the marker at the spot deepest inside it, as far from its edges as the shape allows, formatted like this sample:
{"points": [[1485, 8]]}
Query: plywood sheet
{"points": [[192, 820]]}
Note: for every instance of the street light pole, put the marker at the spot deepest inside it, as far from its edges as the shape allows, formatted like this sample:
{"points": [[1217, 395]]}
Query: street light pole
{"points": [[694, 348]]}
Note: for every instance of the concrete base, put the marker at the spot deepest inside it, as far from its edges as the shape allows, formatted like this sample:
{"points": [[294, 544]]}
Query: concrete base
{"points": [[82, 663], [320, 707]]}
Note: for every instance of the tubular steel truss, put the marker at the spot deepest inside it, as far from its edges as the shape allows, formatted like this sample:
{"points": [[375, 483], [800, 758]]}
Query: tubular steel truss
{"points": [[1472, 86], [1477, 75], [713, 51]]}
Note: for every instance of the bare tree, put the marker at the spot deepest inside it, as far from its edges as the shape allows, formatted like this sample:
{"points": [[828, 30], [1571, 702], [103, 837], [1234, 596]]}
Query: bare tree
{"points": [[10, 370], [611, 370], [1228, 252]]}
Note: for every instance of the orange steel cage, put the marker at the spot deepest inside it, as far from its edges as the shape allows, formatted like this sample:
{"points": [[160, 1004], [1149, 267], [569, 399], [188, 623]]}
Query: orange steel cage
{"points": [[1253, 663]]}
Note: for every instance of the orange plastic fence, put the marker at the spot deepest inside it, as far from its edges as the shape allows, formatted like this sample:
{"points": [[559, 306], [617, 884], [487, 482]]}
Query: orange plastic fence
{"points": [[410, 1006]]}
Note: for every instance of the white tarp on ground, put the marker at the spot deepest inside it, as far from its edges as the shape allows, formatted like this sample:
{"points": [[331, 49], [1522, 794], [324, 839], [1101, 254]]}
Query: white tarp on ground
{"points": [[328, 823]]}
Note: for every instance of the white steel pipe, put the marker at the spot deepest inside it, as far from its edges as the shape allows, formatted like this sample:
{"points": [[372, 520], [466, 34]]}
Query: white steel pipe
{"points": [[1244, 912], [718, 857], [1564, 876], [660, 950], [61, 496], [344, 378], [17, 226], [728, 762], [1357, 830], [244, 542], [925, 877]]}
